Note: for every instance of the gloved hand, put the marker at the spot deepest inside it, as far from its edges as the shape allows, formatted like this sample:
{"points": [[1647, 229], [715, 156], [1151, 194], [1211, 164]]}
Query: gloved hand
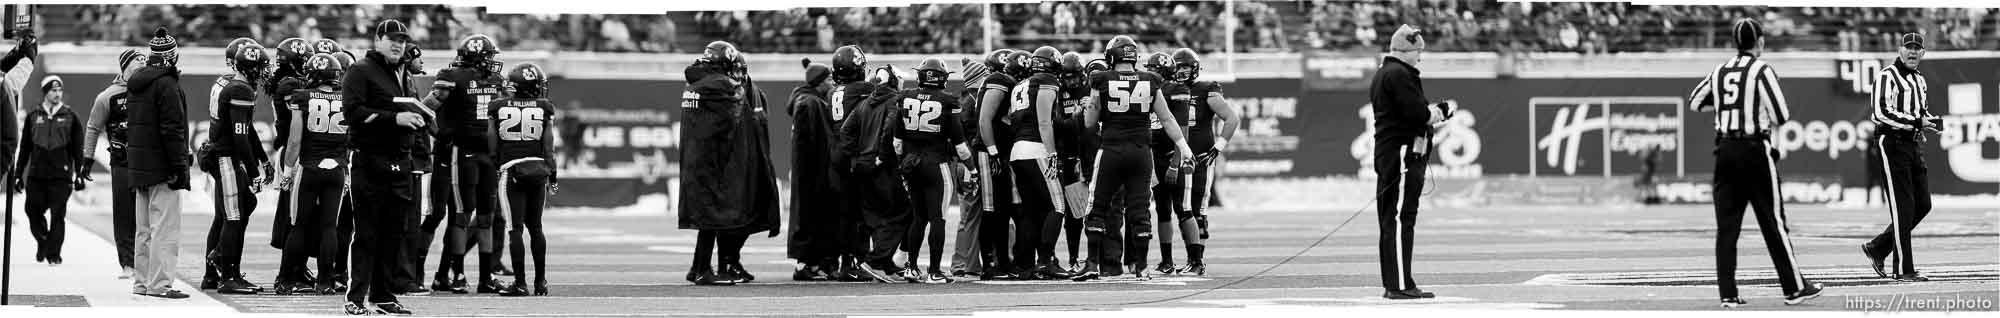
{"points": [[1207, 157], [1443, 111]]}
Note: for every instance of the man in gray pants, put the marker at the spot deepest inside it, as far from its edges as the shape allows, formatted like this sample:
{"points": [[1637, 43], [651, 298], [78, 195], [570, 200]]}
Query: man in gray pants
{"points": [[158, 159]]}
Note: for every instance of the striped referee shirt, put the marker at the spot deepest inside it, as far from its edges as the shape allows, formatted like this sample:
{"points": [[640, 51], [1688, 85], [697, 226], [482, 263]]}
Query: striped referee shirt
{"points": [[1899, 98], [1745, 96]]}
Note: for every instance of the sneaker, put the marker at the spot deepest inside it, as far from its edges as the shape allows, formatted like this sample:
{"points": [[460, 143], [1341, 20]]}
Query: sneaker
{"points": [[357, 309], [125, 273], [1166, 268], [1051, 271], [709, 278], [807, 273], [1875, 262], [456, 286], [210, 283], [238, 286], [414, 289], [735, 271], [518, 289], [1733, 302], [541, 286], [936, 278], [1407, 294], [1811, 291], [491, 286], [168, 294], [285, 287], [392, 309], [871, 273], [1911, 277]]}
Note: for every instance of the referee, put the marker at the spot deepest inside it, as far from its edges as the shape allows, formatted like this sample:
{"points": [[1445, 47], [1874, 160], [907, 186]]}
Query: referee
{"points": [[1748, 105], [1901, 115], [1403, 121]]}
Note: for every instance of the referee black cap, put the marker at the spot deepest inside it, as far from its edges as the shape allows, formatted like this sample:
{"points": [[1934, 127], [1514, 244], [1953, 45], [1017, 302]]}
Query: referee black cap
{"points": [[1747, 32], [1913, 41]]}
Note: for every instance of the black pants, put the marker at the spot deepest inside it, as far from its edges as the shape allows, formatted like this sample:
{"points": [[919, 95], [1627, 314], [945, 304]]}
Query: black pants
{"points": [[1399, 181], [1192, 218], [1746, 174], [1118, 225], [852, 234], [885, 212], [438, 205], [930, 182], [316, 199], [998, 204], [1908, 191], [476, 219], [121, 214], [1037, 220], [234, 203], [48, 207], [525, 197], [387, 200]]}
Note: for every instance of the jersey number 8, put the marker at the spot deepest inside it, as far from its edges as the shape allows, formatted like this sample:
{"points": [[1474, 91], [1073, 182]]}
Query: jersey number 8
{"points": [[921, 115], [323, 116], [1125, 94], [520, 124]]}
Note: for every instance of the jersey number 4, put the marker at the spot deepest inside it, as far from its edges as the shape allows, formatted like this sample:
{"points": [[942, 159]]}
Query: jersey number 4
{"points": [[921, 115], [323, 116], [521, 124], [1126, 94]]}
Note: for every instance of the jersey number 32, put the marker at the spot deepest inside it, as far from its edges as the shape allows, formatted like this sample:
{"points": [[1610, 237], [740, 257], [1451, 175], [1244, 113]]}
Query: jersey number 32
{"points": [[921, 115]]}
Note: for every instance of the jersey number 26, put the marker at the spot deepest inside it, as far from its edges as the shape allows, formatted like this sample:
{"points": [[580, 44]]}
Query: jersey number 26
{"points": [[521, 123]]}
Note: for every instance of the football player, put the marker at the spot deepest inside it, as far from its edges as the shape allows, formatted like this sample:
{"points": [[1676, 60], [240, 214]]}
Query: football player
{"points": [[462, 93], [288, 80], [851, 91], [1167, 188], [1070, 152], [997, 195], [932, 140], [1033, 159], [316, 155], [1207, 108], [1125, 100], [237, 163], [520, 140]]}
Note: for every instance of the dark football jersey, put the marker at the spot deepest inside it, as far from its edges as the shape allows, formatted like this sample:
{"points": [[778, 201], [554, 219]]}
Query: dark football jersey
{"points": [[325, 128], [1124, 104], [522, 125], [1021, 115], [1178, 100], [1201, 127], [847, 97], [232, 103], [462, 115], [930, 122], [995, 82]]}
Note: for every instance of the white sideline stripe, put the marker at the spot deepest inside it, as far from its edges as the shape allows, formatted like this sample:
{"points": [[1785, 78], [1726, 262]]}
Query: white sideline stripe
{"points": [[90, 269]]}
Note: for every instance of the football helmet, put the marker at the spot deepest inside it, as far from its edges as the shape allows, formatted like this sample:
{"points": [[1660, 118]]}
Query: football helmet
{"points": [[528, 80], [849, 64], [1158, 63], [1121, 49], [1186, 65], [293, 51], [327, 46], [931, 73], [324, 68]]}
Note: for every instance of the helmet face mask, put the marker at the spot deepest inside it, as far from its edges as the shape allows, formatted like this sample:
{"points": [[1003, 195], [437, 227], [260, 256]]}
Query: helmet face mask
{"points": [[323, 69], [477, 48]]}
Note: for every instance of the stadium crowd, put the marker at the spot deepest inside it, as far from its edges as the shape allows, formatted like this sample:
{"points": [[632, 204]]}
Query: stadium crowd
{"points": [[1278, 26]]}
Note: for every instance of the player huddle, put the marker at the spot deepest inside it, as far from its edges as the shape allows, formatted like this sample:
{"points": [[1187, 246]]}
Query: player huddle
{"points": [[1037, 145], [483, 137]]}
